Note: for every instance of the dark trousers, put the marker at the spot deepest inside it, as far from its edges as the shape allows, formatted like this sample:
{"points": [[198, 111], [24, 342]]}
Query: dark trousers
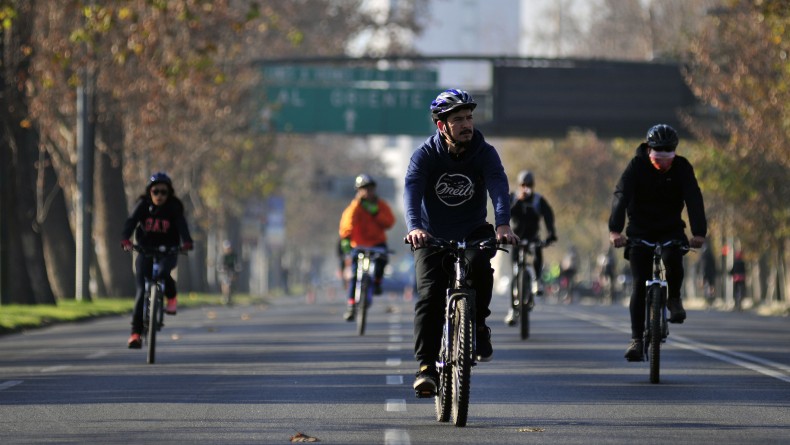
{"points": [[144, 266], [537, 264], [433, 270], [641, 259]]}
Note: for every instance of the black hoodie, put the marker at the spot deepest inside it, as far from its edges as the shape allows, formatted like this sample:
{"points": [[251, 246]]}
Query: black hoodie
{"points": [[156, 226], [653, 201]]}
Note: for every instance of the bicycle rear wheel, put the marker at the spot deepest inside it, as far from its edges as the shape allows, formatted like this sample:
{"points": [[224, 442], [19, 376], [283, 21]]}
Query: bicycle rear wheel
{"points": [[462, 361], [654, 293], [363, 296], [524, 295], [154, 304]]}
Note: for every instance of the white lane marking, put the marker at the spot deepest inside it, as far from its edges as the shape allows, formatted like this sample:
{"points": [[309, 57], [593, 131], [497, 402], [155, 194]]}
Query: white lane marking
{"points": [[396, 338], [759, 365], [393, 347], [398, 405], [394, 380], [97, 354], [396, 437], [9, 383], [393, 362], [56, 368]]}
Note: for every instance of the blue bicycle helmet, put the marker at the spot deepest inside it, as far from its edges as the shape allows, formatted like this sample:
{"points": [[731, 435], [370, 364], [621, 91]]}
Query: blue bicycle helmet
{"points": [[450, 100], [160, 177]]}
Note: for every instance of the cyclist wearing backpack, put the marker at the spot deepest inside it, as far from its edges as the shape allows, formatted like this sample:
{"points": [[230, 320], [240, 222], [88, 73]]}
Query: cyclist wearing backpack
{"points": [[652, 192], [526, 212]]}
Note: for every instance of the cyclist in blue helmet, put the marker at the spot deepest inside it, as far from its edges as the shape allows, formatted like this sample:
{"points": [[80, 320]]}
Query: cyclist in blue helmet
{"points": [[448, 181], [156, 220], [651, 193]]}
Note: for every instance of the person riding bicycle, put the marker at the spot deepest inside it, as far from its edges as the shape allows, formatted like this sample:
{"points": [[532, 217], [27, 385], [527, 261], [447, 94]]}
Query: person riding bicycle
{"points": [[364, 224], [229, 263], [525, 214], [446, 185], [738, 274], [652, 191], [157, 220]]}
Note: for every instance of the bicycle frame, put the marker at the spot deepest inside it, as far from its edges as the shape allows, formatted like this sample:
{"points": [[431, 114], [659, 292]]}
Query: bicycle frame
{"points": [[656, 326], [366, 271], [524, 295], [153, 299], [459, 334]]}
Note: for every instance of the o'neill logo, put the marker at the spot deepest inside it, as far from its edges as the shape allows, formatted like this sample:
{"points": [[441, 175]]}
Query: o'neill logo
{"points": [[454, 190]]}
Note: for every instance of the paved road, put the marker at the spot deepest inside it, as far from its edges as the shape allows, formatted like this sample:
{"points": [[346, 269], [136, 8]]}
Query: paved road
{"points": [[260, 374]]}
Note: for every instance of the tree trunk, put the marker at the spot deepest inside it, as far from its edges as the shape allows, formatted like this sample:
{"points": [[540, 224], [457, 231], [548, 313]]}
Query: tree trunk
{"points": [[110, 209], [56, 235]]}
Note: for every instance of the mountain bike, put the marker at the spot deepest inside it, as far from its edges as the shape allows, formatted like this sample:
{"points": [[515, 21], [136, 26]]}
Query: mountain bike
{"points": [[525, 285], [153, 299], [366, 258], [457, 350], [656, 326]]}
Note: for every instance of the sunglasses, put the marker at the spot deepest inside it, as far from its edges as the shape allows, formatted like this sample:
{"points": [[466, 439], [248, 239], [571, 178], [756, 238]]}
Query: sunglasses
{"points": [[158, 192], [664, 149]]}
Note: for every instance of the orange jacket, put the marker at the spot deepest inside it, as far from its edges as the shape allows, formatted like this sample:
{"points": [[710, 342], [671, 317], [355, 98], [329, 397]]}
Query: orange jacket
{"points": [[363, 228]]}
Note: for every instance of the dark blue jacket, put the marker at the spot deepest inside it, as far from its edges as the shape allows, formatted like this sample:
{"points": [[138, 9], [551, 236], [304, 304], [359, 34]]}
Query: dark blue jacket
{"points": [[447, 197]]}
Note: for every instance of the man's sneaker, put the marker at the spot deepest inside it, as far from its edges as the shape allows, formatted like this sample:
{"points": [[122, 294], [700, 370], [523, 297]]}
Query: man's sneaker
{"points": [[541, 289], [134, 342], [171, 306], [676, 312], [484, 349], [511, 318], [426, 381], [634, 351], [349, 314]]}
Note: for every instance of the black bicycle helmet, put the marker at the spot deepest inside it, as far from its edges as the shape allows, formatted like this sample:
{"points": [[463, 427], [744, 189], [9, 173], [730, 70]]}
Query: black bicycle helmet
{"points": [[662, 135], [450, 100], [526, 177], [160, 178], [364, 180]]}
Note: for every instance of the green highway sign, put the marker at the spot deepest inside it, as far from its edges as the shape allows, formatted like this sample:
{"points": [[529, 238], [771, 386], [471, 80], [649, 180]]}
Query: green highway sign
{"points": [[350, 100], [350, 110], [335, 76]]}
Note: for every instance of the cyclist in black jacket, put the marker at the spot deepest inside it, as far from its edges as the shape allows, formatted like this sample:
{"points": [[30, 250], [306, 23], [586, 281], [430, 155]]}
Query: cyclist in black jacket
{"points": [[652, 192], [526, 211], [157, 220]]}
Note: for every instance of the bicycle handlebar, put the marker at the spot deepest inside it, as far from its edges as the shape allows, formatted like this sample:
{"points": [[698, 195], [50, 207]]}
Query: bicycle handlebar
{"points": [[443, 244], [159, 250], [638, 242]]}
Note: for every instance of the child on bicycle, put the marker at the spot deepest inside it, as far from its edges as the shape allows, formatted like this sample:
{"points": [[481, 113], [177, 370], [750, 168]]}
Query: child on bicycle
{"points": [[652, 192], [157, 220], [447, 182], [364, 224]]}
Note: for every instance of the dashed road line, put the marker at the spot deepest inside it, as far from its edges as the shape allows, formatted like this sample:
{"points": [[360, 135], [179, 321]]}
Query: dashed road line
{"points": [[9, 383], [396, 437]]}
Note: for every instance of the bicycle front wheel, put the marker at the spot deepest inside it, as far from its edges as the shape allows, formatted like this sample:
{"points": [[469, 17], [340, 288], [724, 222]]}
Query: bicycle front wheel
{"points": [[462, 361], [654, 294], [154, 306], [524, 305], [363, 297], [444, 391]]}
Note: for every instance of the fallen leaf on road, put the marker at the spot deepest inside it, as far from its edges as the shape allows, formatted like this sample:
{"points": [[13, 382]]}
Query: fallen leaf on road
{"points": [[301, 437]]}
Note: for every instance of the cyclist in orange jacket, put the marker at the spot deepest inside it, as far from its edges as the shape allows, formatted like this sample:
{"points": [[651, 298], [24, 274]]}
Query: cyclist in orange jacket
{"points": [[363, 224]]}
